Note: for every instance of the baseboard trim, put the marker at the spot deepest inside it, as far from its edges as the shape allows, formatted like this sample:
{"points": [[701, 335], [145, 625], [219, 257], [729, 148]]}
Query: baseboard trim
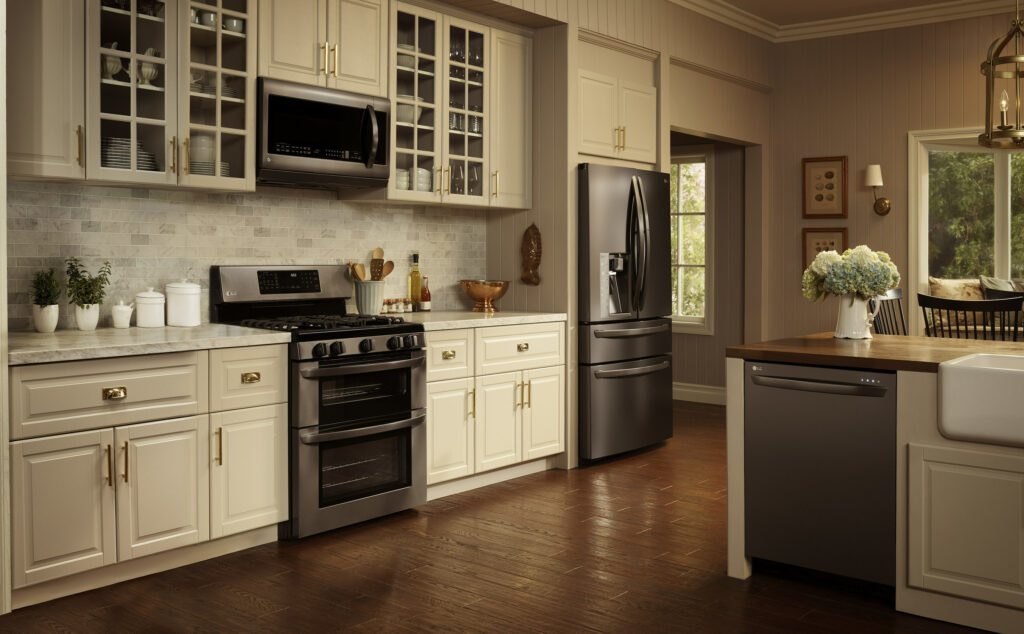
{"points": [[443, 489], [713, 394]]}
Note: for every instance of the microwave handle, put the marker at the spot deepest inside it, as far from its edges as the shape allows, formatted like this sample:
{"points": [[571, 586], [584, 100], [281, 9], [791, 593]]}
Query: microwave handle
{"points": [[374, 136]]}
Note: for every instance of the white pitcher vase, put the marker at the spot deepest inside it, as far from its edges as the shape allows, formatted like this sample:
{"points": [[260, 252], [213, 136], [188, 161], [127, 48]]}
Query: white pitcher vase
{"points": [[854, 319]]}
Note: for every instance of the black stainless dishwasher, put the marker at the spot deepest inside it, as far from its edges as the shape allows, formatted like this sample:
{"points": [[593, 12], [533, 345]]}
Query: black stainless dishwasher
{"points": [[820, 468]]}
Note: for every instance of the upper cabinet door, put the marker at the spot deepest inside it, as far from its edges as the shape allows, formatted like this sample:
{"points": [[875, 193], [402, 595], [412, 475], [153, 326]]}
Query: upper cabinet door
{"points": [[467, 80], [163, 485], [638, 116], [131, 91], [46, 102], [358, 52], [293, 40], [599, 121], [511, 133]]}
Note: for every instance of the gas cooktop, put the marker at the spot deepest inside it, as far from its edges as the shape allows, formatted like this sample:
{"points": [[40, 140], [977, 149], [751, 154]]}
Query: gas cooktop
{"points": [[321, 322]]}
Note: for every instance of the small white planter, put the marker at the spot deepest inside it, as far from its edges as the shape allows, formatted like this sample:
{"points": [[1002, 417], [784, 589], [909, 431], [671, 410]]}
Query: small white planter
{"points": [[45, 317], [86, 318]]}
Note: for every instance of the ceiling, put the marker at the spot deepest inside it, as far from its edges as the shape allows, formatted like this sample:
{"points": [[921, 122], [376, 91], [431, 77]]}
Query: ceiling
{"points": [[784, 12]]}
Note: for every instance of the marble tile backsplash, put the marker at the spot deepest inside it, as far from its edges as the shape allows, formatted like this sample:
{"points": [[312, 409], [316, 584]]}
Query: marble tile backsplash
{"points": [[152, 237]]}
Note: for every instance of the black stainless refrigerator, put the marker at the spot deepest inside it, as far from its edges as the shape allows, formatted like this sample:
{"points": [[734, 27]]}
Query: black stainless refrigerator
{"points": [[625, 299]]}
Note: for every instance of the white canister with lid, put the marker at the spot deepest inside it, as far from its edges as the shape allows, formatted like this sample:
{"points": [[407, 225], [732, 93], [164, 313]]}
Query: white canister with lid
{"points": [[182, 304], [149, 309]]}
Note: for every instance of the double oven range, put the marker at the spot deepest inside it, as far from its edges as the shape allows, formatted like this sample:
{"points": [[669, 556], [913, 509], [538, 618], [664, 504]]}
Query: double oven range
{"points": [[356, 388]]}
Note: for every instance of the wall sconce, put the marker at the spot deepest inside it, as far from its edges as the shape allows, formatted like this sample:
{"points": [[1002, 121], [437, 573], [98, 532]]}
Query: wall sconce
{"points": [[873, 179]]}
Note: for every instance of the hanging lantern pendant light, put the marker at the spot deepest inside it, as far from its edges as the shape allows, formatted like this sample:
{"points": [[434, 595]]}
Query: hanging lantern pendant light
{"points": [[1001, 66]]}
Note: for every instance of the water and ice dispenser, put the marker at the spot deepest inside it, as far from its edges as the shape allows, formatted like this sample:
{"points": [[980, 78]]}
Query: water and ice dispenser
{"points": [[615, 293]]}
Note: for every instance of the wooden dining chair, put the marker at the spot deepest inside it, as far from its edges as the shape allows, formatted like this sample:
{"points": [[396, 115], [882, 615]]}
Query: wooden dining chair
{"points": [[993, 319], [889, 320]]}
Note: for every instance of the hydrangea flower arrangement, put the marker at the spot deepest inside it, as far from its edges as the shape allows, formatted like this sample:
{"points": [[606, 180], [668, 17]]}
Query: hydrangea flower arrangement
{"points": [[859, 270]]}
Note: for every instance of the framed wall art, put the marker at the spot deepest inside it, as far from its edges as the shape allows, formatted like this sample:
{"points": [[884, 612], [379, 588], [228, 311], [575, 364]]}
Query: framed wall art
{"points": [[817, 240], [824, 188]]}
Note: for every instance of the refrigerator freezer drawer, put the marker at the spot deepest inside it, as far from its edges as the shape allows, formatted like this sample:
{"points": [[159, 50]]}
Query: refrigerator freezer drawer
{"points": [[624, 406], [605, 343]]}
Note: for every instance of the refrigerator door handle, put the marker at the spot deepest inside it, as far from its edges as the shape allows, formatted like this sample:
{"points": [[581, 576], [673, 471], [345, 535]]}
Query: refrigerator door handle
{"points": [[645, 237], [633, 227]]}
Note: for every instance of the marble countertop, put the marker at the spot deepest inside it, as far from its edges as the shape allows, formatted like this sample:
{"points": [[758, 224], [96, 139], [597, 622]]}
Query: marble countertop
{"points": [[73, 345], [451, 320]]}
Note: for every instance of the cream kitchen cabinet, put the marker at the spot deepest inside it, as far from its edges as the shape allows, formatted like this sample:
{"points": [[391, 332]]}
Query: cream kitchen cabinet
{"points": [[966, 536], [617, 118], [543, 412], [499, 422], [248, 469], [450, 429], [64, 488], [510, 137], [46, 103], [334, 43]]}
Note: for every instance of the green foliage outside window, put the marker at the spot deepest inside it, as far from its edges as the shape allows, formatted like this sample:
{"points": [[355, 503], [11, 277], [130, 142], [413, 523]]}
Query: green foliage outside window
{"points": [[688, 199]]}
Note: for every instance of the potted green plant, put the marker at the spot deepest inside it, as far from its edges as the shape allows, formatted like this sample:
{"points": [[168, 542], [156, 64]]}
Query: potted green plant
{"points": [[86, 292], [45, 291]]}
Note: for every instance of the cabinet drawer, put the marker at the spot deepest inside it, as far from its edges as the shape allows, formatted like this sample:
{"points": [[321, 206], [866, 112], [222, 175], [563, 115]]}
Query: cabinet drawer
{"points": [[56, 398], [449, 354], [508, 348], [248, 377]]}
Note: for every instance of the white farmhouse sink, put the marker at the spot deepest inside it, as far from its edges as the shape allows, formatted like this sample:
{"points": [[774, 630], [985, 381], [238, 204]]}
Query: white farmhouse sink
{"points": [[981, 399]]}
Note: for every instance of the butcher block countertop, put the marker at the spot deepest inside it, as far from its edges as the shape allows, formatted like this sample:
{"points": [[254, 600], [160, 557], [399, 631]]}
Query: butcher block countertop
{"points": [[883, 352]]}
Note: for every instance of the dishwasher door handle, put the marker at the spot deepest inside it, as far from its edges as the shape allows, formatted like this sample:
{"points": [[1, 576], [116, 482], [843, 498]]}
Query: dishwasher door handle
{"points": [[844, 389]]}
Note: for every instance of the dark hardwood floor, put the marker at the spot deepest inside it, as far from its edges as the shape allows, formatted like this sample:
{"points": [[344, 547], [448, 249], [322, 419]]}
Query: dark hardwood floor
{"points": [[634, 544]]}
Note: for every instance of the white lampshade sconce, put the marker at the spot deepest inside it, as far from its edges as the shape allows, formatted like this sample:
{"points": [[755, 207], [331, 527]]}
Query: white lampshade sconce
{"points": [[873, 179]]}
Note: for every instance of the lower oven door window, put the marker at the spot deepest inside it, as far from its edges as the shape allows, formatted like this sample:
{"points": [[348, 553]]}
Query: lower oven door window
{"points": [[364, 466]]}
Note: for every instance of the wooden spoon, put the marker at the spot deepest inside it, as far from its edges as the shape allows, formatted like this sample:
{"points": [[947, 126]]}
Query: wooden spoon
{"points": [[358, 271], [388, 267], [378, 254]]}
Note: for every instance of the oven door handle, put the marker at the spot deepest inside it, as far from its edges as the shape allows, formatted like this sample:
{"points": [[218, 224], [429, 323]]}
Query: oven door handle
{"points": [[361, 368], [419, 415]]}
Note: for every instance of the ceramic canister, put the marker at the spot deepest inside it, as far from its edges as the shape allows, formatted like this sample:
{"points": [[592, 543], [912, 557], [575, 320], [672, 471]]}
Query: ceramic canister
{"points": [[182, 303], [149, 309]]}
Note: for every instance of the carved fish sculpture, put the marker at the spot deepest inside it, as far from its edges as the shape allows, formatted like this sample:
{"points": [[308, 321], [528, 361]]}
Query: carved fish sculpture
{"points": [[531, 251]]}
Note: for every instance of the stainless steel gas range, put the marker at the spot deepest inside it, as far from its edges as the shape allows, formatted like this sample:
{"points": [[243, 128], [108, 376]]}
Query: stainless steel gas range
{"points": [[357, 443]]}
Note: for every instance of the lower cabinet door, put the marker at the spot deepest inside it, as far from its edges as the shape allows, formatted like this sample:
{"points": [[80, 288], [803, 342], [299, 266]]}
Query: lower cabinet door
{"points": [[544, 412], [966, 536], [163, 485], [449, 429], [62, 506], [498, 420], [248, 469]]}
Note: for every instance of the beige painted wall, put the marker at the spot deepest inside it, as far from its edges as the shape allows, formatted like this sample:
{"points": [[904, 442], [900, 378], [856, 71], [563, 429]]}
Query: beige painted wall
{"points": [[858, 96]]}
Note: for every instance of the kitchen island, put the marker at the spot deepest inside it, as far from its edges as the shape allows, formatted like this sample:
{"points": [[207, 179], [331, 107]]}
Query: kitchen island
{"points": [[959, 536]]}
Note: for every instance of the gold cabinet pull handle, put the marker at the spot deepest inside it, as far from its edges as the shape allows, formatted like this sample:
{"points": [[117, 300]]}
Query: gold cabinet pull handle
{"points": [[523, 347], [448, 180], [174, 154], [447, 355], [472, 397], [323, 67], [440, 177], [529, 393], [126, 461], [623, 138], [110, 465], [334, 52], [188, 157], [251, 377], [78, 135], [220, 445], [497, 182], [115, 393], [521, 394]]}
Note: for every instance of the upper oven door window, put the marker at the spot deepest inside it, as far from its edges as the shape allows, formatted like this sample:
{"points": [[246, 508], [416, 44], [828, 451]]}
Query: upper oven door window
{"points": [[381, 391], [307, 128]]}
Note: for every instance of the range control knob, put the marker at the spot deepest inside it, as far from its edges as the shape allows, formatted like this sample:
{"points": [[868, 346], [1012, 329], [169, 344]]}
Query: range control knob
{"points": [[394, 343], [337, 349], [319, 350], [410, 341], [366, 345]]}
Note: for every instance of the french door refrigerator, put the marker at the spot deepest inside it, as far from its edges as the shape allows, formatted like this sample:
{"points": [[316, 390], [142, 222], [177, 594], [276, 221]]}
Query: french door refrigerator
{"points": [[625, 299]]}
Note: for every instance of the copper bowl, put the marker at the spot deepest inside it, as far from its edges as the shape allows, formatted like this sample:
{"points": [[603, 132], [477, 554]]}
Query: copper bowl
{"points": [[484, 293]]}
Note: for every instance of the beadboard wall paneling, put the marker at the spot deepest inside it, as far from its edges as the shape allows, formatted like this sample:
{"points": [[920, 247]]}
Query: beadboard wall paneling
{"points": [[153, 237], [859, 95], [700, 359]]}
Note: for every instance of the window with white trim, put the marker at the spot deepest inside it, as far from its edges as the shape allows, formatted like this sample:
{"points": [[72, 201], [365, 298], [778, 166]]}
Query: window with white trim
{"points": [[692, 213]]}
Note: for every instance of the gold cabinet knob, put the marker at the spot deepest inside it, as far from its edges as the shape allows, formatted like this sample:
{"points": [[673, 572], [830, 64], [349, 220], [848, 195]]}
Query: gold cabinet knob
{"points": [[447, 355], [114, 393], [523, 347], [251, 377]]}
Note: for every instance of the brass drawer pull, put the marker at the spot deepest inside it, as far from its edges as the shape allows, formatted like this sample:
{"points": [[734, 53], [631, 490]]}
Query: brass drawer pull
{"points": [[251, 377], [447, 355], [115, 393], [523, 347], [472, 396]]}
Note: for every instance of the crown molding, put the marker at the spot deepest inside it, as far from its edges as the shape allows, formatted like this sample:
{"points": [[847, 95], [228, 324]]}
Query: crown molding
{"points": [[593, 37], [897, 18]]}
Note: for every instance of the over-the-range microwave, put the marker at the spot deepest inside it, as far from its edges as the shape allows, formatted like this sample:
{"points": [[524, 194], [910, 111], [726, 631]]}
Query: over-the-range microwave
{"points": [[315, 136]]}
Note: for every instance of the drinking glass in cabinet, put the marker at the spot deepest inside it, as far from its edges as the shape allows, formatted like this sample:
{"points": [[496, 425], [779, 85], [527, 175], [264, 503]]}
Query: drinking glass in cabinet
{"points": [[475, 125], [456, 121], [474, 179], [457, 52], [458, 177], [233, 24]]}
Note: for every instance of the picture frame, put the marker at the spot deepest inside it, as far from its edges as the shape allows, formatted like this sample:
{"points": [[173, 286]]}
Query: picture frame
{"points": [[816, 240], [824, 189]]}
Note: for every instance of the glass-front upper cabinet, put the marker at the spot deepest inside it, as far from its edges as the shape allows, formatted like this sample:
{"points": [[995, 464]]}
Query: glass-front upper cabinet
{"points": [[131, 103], [466, 95], [217, 105], [417, 118]]}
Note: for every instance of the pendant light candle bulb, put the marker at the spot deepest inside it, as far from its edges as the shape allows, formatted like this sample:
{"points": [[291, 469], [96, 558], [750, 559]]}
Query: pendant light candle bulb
{"points": [[1004, 104]]}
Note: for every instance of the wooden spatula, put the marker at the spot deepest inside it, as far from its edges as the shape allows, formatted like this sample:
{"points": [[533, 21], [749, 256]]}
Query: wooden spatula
{"points": [[377, 264]]}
